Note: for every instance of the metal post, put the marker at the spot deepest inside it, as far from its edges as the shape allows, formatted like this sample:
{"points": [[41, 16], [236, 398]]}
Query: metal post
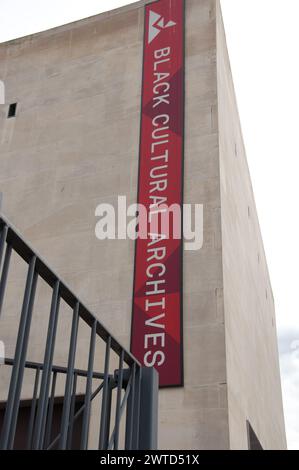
{"points": [[136, 409], [105, 419], [47, 370], [50, 412], [12, 406], [3, 237], [130, 412], [108, 413], [148, 437], [118, 400], [33, 409], [69, 380], [72, 414], [87, 402], [22, 363], [4, 275]]}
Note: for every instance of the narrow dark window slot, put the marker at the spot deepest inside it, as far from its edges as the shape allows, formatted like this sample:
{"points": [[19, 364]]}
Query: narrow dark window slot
{"points": [[12, 110]]}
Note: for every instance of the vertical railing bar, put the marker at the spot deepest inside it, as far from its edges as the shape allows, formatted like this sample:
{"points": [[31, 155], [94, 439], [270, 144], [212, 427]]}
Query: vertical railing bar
{"points": [[136, 418], [69, 379], [108, 412], [118, 400], [19, 358], [23, 363], [4, 275], [47, 370], [72, 413], [129, 438], [86, 416], [103, 441], [33, 409], [123, 405], [3, 237], [50, 412]]}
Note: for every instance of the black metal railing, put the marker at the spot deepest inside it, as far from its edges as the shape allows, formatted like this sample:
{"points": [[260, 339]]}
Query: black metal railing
{"points": [[127, 394]]}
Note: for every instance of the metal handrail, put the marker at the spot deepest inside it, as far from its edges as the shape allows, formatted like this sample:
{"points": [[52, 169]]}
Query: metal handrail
{"points": [[26, 252], [130, 376]]}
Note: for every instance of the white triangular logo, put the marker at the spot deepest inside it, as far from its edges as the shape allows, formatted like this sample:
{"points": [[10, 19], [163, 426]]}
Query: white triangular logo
{"points": [[156, 24]]}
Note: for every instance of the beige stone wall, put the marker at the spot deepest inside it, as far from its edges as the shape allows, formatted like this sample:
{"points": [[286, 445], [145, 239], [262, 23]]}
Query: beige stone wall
{"points": [[73, 145], [254, 389]]}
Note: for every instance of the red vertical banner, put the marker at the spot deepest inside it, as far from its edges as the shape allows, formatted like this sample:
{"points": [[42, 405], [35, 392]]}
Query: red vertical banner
{"points": [[157, 330]]}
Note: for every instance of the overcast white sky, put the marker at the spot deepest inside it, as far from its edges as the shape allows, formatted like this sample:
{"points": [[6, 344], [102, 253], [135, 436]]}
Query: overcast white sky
{"points": [[263, 38]]}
